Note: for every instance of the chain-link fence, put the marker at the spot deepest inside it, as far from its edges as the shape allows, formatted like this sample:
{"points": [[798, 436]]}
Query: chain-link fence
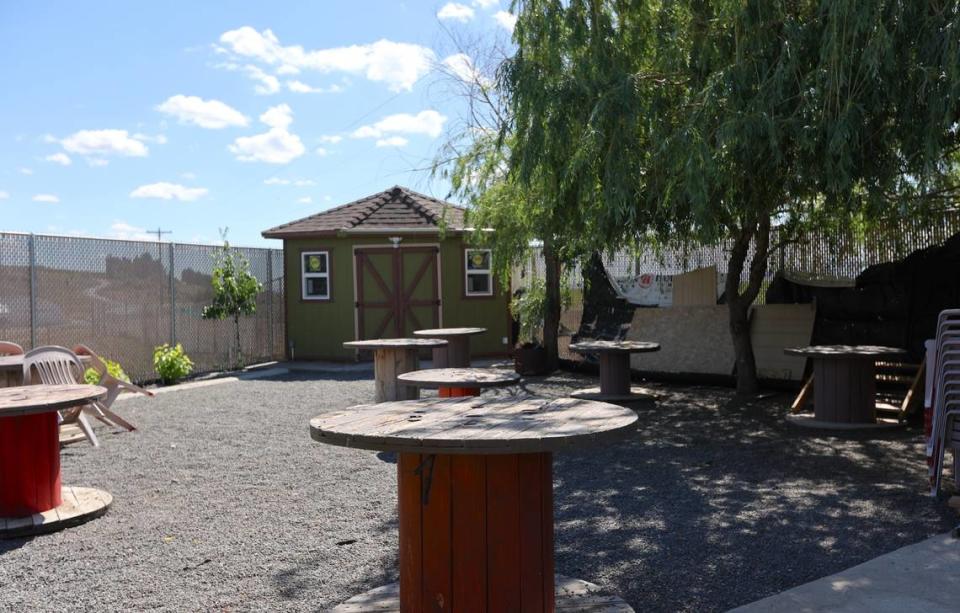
{"points": [[123, 298]]}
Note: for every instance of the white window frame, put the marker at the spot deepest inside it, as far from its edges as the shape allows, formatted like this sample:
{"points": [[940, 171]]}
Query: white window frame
{"points": [[467, 271], [304, 275]]}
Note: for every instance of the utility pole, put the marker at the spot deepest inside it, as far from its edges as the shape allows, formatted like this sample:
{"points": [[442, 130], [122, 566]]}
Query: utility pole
{"points": [[159, 234]]}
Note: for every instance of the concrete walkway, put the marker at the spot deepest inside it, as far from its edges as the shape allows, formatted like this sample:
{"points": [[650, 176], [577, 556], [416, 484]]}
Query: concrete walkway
{"points": [[923, 577]]}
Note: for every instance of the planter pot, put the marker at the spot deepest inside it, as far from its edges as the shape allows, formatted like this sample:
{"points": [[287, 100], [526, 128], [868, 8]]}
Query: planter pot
{"points": [[530, 360]]}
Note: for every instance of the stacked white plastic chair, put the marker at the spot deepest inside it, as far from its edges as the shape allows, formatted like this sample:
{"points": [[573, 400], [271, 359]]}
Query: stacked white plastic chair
{"points": [[945, 396]]}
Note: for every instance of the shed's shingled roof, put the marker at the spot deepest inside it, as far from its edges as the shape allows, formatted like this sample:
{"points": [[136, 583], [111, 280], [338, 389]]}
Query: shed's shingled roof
{"points": [[398, 207]]}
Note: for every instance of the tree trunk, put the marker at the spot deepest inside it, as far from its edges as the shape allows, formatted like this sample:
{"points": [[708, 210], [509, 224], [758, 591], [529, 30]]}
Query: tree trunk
{"points": [[738, 304], [551, 318], [236, 339]]}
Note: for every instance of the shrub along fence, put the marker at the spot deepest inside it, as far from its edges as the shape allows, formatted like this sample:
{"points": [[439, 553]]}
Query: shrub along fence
{"points": [[123, 298]]}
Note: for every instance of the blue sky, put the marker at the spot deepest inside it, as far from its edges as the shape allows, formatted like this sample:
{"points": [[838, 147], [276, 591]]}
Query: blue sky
{"points": [[119, 116]]}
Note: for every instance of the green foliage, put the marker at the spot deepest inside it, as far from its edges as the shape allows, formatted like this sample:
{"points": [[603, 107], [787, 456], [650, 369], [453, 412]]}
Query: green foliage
{"points": [[171, 363], [235, 290], [529, 308], [92, 377]]}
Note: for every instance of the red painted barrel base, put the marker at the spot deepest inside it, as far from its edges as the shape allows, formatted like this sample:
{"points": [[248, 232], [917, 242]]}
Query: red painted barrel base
{"points": [[476, 533], [458, 392], [29, 464]]}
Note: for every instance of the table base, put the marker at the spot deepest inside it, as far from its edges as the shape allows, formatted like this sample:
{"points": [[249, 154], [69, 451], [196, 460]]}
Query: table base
{"points": [[29, 464], [80, 504], [844, 390], [476, 532], [387, 364], [571, 595], [457, 392], [634, 394]]}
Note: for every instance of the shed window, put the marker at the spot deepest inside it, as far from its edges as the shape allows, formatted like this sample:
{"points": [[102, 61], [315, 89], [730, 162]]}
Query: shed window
{"points": [[479, 280], [315, 276]]}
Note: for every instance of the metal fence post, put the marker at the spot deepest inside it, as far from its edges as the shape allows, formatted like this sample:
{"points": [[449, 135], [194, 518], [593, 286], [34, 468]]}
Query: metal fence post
{"points": [[173, 300], [32, 252], [270, 323]]}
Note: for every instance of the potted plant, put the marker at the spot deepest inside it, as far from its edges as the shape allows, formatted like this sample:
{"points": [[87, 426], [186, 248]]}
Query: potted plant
{"points": [[528, 307]]}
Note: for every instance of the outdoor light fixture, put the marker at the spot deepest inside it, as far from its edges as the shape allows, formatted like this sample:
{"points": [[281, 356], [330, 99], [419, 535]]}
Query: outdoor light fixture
{"points": [[396, 241]]}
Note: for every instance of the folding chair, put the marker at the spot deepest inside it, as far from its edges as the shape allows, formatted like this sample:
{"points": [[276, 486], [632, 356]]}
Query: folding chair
{"points": [[59, 366], [114, 387]]}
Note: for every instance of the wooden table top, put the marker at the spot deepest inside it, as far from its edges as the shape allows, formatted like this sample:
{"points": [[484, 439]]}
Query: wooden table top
{"points": [[396, 343], [845, 351], [460, 377], [32, 399], [474, 425], [594, 346], [442, 332]]}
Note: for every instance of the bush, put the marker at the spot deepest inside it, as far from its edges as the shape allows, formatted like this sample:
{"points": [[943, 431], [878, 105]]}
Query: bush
{"points": [[171, 363], [92, 377]]}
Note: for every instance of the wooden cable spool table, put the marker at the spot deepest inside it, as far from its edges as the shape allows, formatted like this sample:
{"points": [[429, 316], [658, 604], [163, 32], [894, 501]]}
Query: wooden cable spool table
{"points": [[392, 357], [456, 382], [844, 382], [456, 354], [32, 499], [476, 498], [614, 358]]}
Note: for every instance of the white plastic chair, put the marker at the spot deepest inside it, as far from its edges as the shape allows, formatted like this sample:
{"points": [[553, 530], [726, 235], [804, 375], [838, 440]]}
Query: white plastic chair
{"points": [[114, 387], [59, 366]]}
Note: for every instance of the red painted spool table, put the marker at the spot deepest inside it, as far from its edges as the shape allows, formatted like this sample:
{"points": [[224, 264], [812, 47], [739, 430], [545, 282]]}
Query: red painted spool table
{"points": [[456, 354], [476, 498], [614, 358], [456, 382], [32, 499], [392, 357], [844, 382]]}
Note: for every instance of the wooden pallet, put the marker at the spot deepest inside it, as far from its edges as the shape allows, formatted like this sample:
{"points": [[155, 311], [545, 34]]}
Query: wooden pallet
{"points": [[899, 390]]}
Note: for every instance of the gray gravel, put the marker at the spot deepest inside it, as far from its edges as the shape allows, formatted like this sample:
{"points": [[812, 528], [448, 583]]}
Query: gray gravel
{"points": [[222, 502]]}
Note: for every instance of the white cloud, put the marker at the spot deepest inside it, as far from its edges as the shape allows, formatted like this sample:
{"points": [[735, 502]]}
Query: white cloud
{"points": [[299, 87], [160, 139], [4, 195], [461, 66], [124, 231], [485, 4], [321, 151], [210, 114], [276, 146], [25, 171], [169, 191], [305, 200], [399, 65], [46, 198], [294, 182], [104, 142], [429, 123], [97, 162], [331, 139], [266, 83], [392, 141], [506, 20], [280, 116], [59, 158], [455, 12]]}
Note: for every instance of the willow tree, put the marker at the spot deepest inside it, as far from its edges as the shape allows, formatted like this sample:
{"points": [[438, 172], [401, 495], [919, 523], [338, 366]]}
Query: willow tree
{"points": [[711, 121]]}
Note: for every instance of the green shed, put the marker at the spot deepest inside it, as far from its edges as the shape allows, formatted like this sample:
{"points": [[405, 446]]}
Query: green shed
{"points": [[382, 267]]}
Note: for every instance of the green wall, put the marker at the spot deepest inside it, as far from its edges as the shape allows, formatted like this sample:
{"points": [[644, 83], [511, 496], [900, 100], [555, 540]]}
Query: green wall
{"points": [[318, 329]]}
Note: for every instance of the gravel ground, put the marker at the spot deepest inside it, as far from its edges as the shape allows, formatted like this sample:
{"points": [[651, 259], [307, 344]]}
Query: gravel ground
{"points": [[223, 502]]}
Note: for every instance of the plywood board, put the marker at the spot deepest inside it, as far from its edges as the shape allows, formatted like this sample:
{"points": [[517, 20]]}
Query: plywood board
{"points": [[696, 288], [693, 339], [773, 328]]}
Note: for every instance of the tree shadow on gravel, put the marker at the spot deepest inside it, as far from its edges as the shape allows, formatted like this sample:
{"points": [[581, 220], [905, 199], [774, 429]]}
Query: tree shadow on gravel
{"points": [[711, 505]]}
